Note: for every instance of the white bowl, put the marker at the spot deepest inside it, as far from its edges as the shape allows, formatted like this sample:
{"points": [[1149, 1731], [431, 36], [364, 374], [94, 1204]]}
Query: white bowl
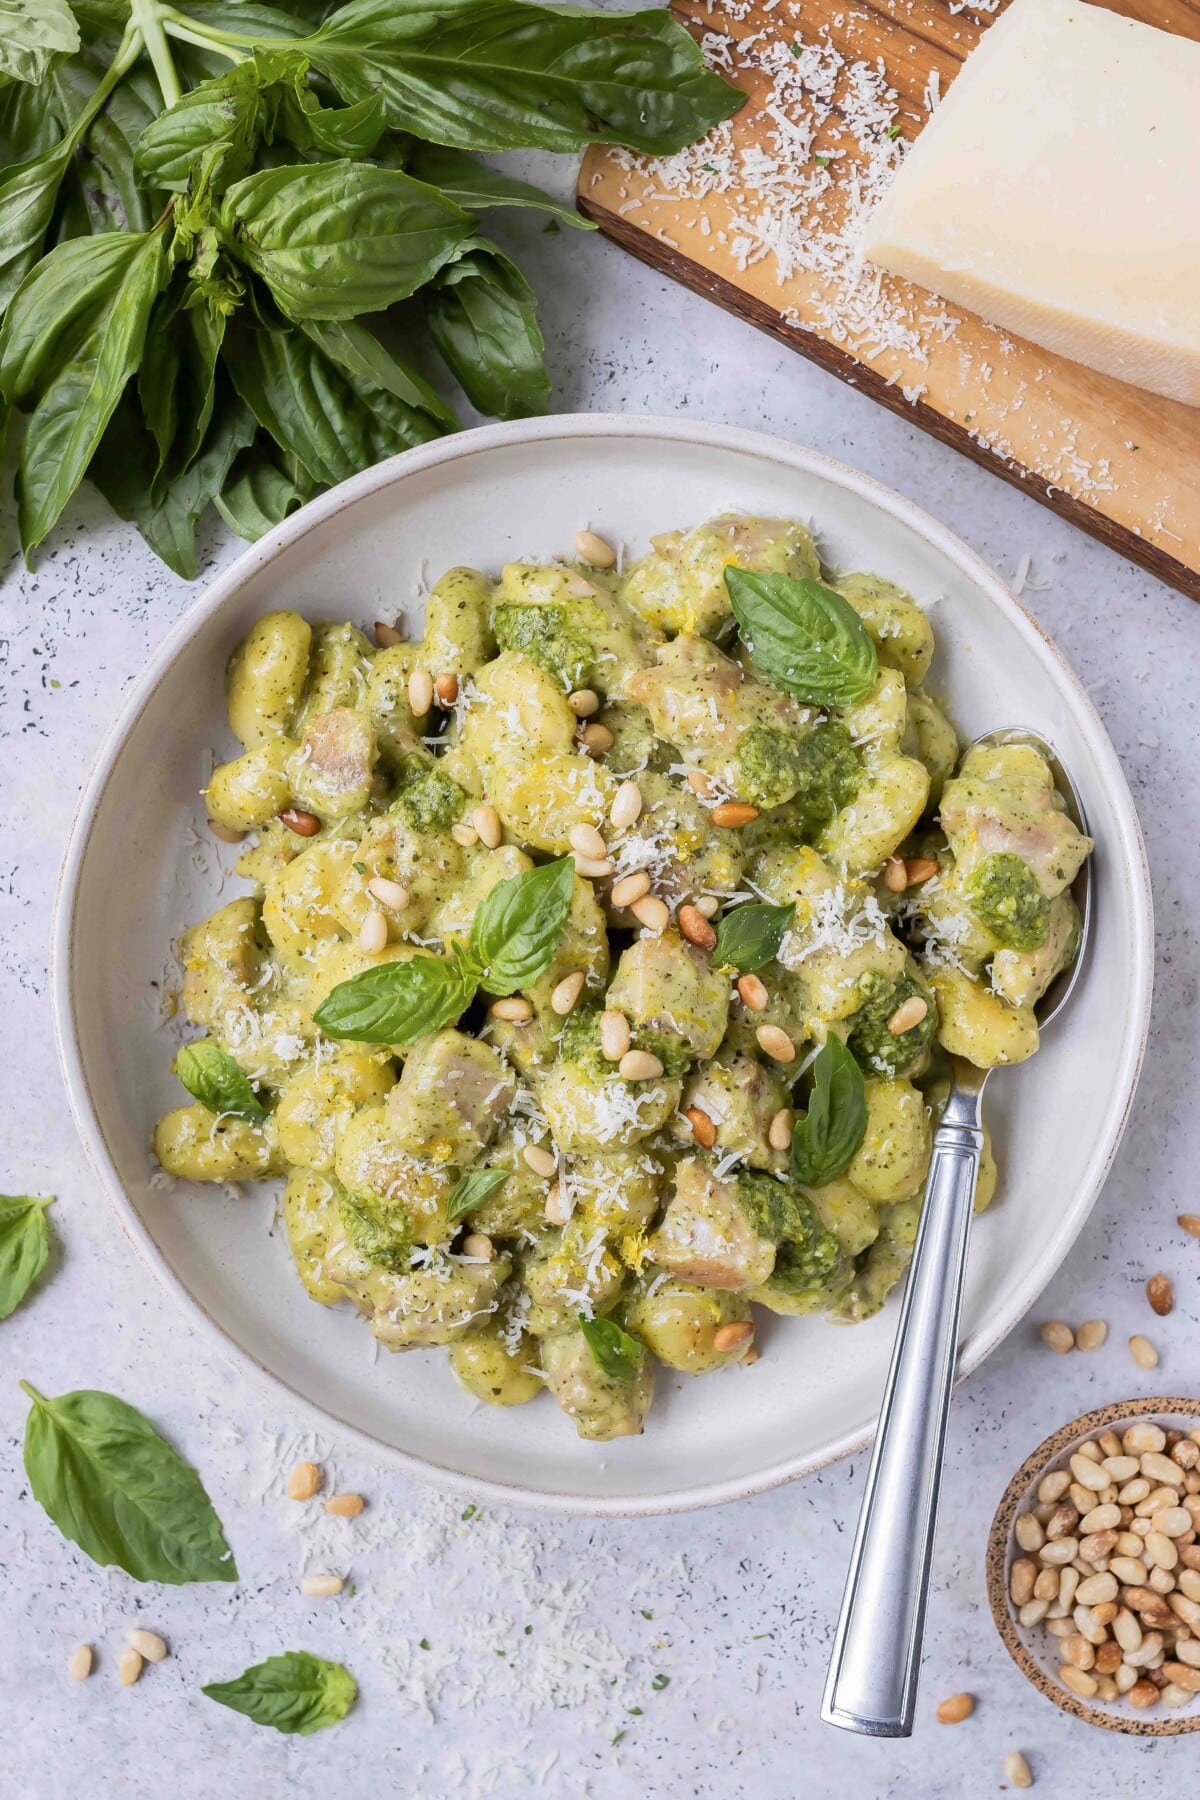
{"points": [[131, 880]]}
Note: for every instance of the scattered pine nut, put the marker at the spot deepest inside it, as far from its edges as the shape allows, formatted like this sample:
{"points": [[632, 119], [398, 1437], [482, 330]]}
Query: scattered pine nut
{"points": [[79, 1663], [303, 1481], [446, 689], [543, 1162], [626, 808], [734, 813], [895, 878], [389, 893], [148, 1644], [639, 1065], [592, 549], [753, 993], [1017, 1770], [699, 783], [420, 692], [752, 1356], [731, 1337], [322, 1587], [345, 1506], [1078, 1680], [563, 999], [703, 1129], [779, 1132], [478, 1246], [386, 635], [776, 1043], [908, 1014], [919, 869], [225, 834], [588, 841], [615, 1035], [1160, 1294], [1091, 1334], [584, 702], [696, 928], [630, 888], [557, 1208], [595, 868], [1143, 1352], [1190, 1223], [486, 821], [515, 1008], [129, 1666], [954, 1710], [651, 912], [708, 906], [466, 835], [304, 824], [597, 740], [1057, 1336], [373, 933]]}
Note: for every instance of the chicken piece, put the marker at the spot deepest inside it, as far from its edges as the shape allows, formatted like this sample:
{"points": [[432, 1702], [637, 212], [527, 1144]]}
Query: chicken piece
{"points": [[741, 1097], [331, 772], [437, 1304], [706, 1235], [1003, 799], [450, 1098], [679, 1322], [601, 1406]]}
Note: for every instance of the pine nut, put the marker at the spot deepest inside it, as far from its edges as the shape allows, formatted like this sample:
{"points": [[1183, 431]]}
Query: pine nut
{"points": [[588, 841], [1160, 1294], [1108, 1658], [303, 1481], [1034, 1611], [446, 689], [696, 928], [1068, 1581], [1161, 1550], [79, 1663], [1143, 1352], [129, 1666], [1096, 1589], [225, 834], [954, 1710], [614, 1035], [345, 1506], [919, 869], [1185, 1453], [1125, 1678], [1022, 1579], [516, 1009], [1121, 1468], [1098, 1544], [1017, 1770], [594, 868], [388, 893], [597, 740], [1029, 1533], [486, 821], [148, 1644], [1057, 1336], [651, 912], [776, 1043], [1133, 1491], [1110, 1445], [373, 933], [1144, 1436], [626, 808], [708, 906], [1059, 1551], [1126, 1630], [734, 813], [1101, 1518], [1079, 1652], [895, 876], [1045, 1587], [1062, 1521], [1087, 1473], [1091, 1334], [1052, 1487], [630, 888], [1188, 1651], [386, 635], [562, 1000], [584, 702], [703, 1129], [699, 783], [542, 1161], [1173, 1694], [779, 1132], [466, 835], [753, 993], [480, 1248], [1078, 1680], [592, 549], [1190, 1223], [732, 1337], [639, 1065], [420, 692], [322, 1587], [1173, 1521], [557, 1208], [304, 824], [1143, 1694], [908, 1015], [1128, 1569], [1090, 1451]]}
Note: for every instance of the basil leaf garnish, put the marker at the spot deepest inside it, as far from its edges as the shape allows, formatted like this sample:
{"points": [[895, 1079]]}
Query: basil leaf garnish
{"points": [[396, 1002], [212, 1077], [749, 937], [827, 1139], [296, 1693], [24, 1247], [616, 1353], [804, 637], [117, 1489], [518, 924], [472, 1189]]}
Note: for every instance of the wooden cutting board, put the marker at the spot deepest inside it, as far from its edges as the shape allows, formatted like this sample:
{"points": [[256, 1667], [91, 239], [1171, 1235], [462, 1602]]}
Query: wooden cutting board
{"points": [[762, 219]]}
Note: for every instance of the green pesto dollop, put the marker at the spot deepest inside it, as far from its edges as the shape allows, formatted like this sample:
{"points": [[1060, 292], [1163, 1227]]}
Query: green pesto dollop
{"points": [[579, 1043], [779, 1211], [1004, 893], [884, 1052], [428, 800], [543, 634], [819, 772], [377, 1231]]}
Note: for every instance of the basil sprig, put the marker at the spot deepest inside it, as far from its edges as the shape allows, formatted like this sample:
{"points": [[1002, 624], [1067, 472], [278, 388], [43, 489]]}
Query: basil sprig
{"points": [[296, 1693], [750, 936], [117, 1489], [213, 1078], [617, 1354], [24, 1247], [826, 1140], [472, 1189], [805, 638], [513, 939]]}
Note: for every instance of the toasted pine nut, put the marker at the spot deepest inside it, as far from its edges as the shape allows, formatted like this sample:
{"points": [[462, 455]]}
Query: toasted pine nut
{"points": [[480, 1247], [1029, 1531], [1017, 1770], [700, 784], [753, 993], [626, 808], [1078, 1680], [322, 1587], [732, 1337], [1062, 1522], [386, 635], [894, 877], [373, 933], [776, 1043], [345, 1506], [557, 1208], [129, 1666], [630, 888], [542, 1161], [1143, 1693], [1079, 1652], [696, 928], [734, 813], [919, 869], [708, 906], [225, 834], [1057, 1336], [486, 821], [779, 1131], [466, 835], [639, 1065], [563, 999], [595, 868], [304, 824], [614, 1034], [597, 740], [1173, 1521], [592, 549], [1091, 1334], [388, 893], [584, 702], [954, 1710], [148, 1644], [1022, 1578], [1143, 1352], [1053, 1486], [303, 1481], [1144, 1436], [587, 840], [651, 912], [446, 689], [1099, 1543], [909, 1013], [515, 1008], [79, 1663], [1160, 1294], [420, 692], [1190, 1223], [1087, 1473], [703, 1129]]}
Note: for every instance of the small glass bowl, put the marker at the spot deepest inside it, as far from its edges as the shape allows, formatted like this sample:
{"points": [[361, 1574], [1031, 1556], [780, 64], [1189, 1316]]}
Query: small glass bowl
{"points": [[1031, 1647]]}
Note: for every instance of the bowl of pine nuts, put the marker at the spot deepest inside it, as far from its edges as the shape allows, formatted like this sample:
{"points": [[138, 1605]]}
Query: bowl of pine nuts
{"points": [[1093, 1567]]}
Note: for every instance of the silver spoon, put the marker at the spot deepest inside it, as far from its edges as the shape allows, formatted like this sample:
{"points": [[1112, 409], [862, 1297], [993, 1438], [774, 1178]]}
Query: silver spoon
{"points": [[872, 1683]]}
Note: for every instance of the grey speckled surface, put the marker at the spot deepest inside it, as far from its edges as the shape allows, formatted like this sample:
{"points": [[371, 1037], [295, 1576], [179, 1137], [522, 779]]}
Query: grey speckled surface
{"points": [[734, 1606]]}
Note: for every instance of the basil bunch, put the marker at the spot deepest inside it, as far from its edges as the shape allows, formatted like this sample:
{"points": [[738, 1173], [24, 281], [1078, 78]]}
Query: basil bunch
{"points": [[198, 202], [826, 1140], [514, 935]]}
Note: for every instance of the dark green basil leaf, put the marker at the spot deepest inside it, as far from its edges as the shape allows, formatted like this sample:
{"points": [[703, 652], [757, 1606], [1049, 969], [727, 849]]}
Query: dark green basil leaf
{"points": [[177, 379], [518, 924], [374, 370], [749, 937], [616, 1353], [336, 239], [27, 198], [24, 1247], [351, 131], [502, 75], [116, 199], [472, 1189], [482, 316], [212, 1077], [827, 1139], [295, 1692], [220, 119], [117, 1489], [32, 34], [30, 121], [804, 637], [257, 495], [396, 1002], [477, 188]]}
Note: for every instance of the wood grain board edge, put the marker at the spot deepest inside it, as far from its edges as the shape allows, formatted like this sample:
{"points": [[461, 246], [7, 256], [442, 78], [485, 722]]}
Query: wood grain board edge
{"points": [[837, 362]]}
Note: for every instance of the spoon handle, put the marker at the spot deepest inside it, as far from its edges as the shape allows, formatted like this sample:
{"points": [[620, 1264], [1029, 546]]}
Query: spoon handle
{"points": [[872, 1682]]}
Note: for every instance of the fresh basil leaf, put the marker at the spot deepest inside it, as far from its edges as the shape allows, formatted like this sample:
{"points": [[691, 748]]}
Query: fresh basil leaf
{"points": [[24, 1247], [117, 1489], [295, 1693], [502, 75], [257, 495], [617, 1354], [750, 936], [220, 120], [473, 185], [177, 379], [30, 121], [827, 1139], [72, 337], [472, 1189], [804, 637], [351, 131], [28, 195], [116, 199], [335, 239], [360, 354], [518, 924], [32, 34], [212, 1077], [482, 316], [396, 1002]]}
